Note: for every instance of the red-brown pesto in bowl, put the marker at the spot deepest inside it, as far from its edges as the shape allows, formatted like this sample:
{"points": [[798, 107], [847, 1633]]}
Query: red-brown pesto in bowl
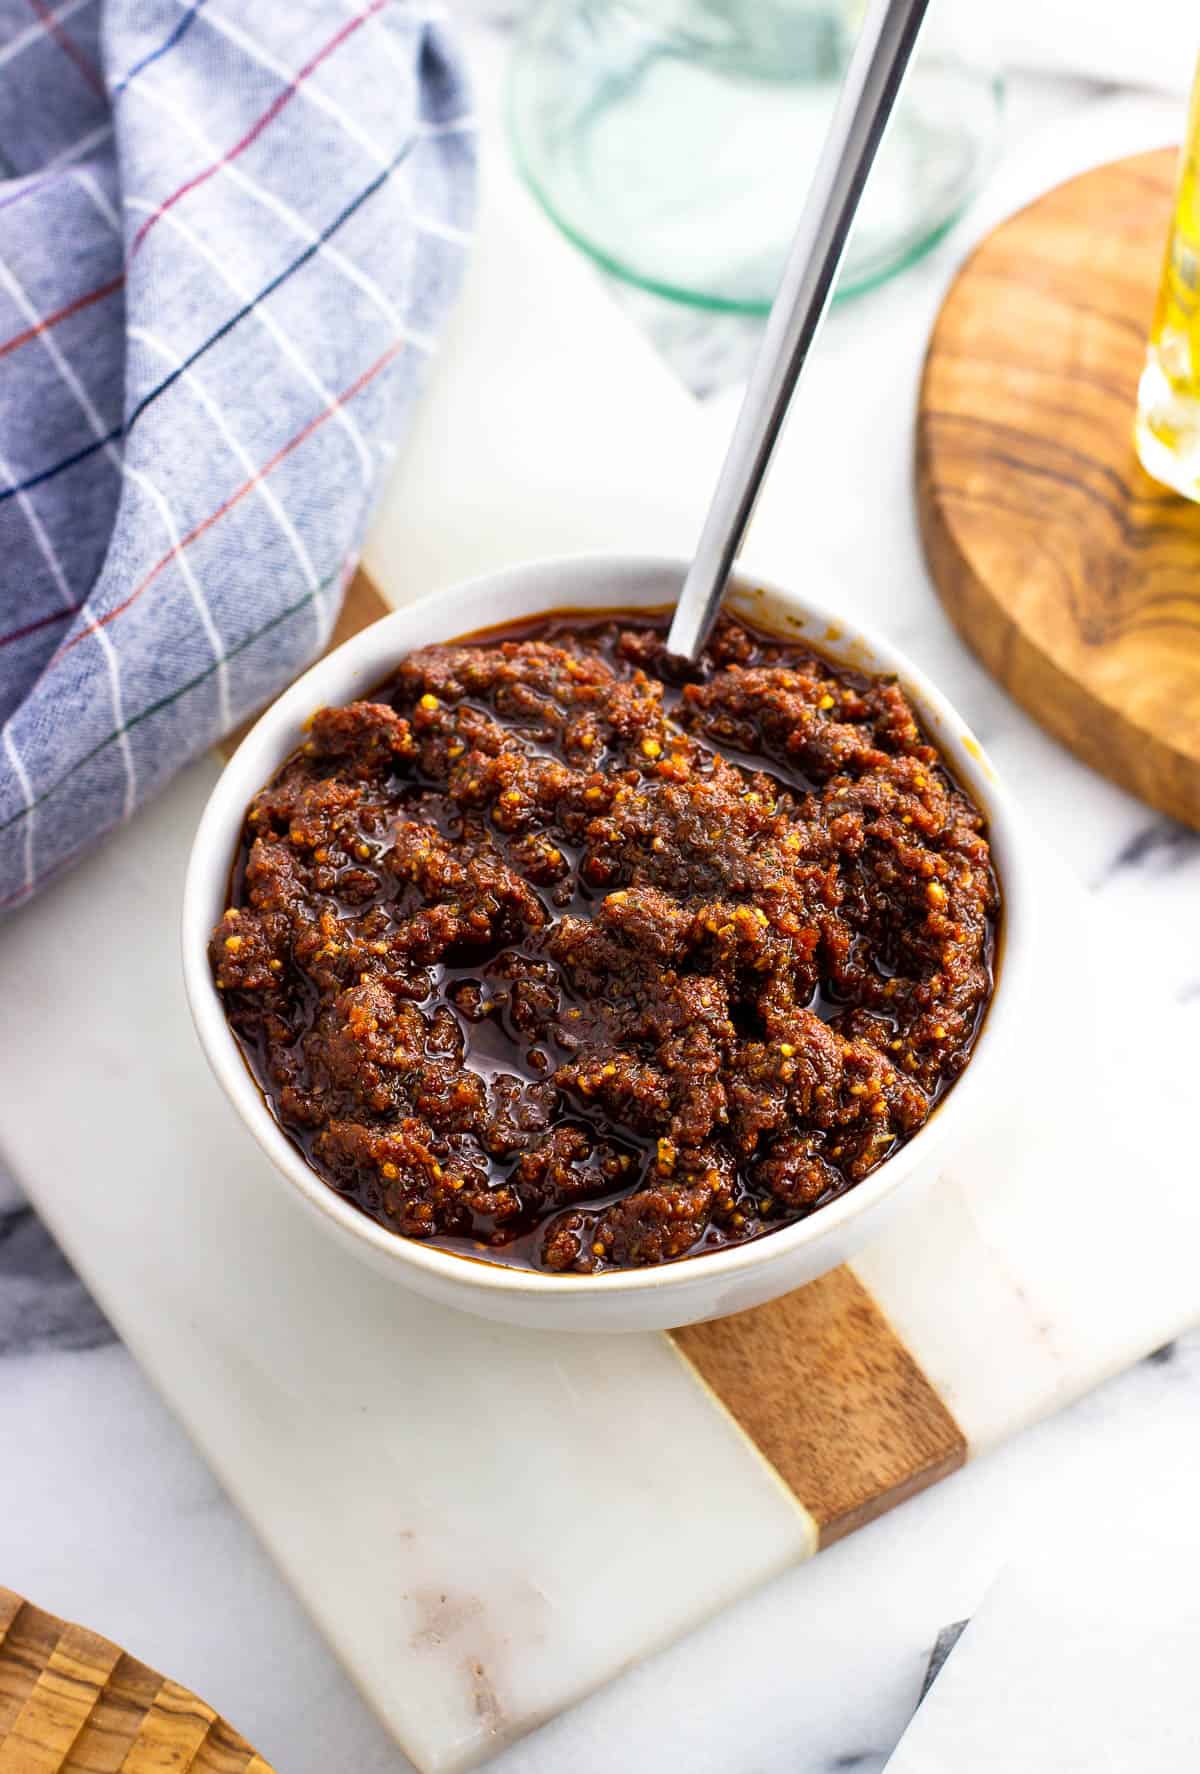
{"points": [[558, 953]]}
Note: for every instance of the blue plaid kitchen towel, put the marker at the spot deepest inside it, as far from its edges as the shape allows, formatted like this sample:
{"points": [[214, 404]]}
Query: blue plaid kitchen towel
{"points": [[228, 236]]}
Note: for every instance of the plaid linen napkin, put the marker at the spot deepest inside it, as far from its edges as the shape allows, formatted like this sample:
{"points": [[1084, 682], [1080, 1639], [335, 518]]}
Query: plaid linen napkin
{"points": [[228, 237]]}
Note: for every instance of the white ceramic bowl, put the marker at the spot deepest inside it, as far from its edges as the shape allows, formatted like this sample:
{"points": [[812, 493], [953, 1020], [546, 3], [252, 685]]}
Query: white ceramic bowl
{"points": [[644, 1299]]}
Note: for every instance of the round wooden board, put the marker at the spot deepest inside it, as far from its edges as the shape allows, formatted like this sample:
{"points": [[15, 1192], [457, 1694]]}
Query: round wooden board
{"points": [[1071, 573]]}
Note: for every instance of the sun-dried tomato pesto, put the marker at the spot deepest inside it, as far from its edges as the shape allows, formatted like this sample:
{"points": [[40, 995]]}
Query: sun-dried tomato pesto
{"points": [[555, 953]]}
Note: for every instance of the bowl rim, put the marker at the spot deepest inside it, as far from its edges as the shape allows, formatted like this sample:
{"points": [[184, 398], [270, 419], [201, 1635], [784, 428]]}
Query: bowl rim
{"points": [[260, 752]]}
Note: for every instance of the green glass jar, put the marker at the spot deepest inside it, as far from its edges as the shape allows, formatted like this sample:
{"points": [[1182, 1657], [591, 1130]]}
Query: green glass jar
{"points": [[674, 139]]}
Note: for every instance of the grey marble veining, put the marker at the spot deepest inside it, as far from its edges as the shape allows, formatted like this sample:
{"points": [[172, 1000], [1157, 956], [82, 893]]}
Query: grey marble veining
{"points": [[945, 1642], [1160, 847], [708, 352]]}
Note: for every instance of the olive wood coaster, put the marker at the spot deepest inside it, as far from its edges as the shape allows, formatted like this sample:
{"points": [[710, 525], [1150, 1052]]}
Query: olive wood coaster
{"points": [[72, 1703], [1071, 573], [819, 1380]]}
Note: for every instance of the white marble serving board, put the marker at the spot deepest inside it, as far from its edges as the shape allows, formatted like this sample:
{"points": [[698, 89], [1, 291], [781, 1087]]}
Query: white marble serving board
{"points": [[442, 1527]]}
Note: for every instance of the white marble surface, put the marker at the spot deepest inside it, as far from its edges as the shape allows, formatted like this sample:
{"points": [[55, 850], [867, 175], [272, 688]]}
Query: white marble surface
{"points": [[1074, 1663], [107, 1514]]}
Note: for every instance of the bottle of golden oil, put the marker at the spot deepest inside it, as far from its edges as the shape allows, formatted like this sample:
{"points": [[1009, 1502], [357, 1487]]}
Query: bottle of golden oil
{"points": [[1167, 429]]}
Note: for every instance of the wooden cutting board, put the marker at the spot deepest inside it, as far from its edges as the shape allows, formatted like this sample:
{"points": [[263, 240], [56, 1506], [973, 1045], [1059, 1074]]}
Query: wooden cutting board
{"points": [[72, 1703], [1072, 574]]}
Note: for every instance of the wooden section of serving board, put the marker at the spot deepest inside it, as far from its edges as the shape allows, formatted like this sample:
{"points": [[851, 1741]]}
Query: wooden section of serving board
{"points": [[830, 1396], [73, 1703], [819, 1380], [1072, 574]]}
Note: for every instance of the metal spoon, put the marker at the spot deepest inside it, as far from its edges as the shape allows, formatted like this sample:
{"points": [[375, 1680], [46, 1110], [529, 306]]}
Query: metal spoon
{"points": [[863, 108]]}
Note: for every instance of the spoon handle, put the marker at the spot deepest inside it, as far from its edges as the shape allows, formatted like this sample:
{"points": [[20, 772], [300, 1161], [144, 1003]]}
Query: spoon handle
{"points": [[860, 118]]}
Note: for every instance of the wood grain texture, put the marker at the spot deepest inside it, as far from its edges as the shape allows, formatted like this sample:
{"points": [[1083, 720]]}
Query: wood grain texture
{"points": [[73, 1703], [830, 1396], [1071, 573], [362, 604]]}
